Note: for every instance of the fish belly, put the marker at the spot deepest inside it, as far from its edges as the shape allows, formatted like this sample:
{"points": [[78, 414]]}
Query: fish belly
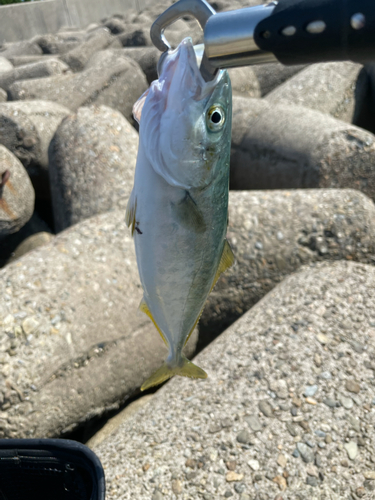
{"points": [[177, 265]]}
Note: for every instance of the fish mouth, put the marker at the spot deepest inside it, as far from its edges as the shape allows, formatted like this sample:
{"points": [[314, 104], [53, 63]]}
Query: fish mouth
{"points": [[191, 55]]}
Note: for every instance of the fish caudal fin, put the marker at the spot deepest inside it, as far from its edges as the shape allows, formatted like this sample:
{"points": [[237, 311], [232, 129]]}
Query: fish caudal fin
{"points": [[188, 369]]}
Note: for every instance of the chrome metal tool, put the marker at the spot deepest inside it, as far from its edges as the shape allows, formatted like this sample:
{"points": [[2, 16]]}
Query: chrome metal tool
{"points": [[289, 31]]}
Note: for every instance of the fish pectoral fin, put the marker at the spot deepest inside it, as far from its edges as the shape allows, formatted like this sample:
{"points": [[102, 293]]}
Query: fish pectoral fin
{"points": [[165, 372], [188, 215], [145, 309], [130, 213], [226, 261]]}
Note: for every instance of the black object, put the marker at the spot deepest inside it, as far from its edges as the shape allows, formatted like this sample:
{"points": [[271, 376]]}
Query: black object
{"points": [[49, 469], [339, 40]]}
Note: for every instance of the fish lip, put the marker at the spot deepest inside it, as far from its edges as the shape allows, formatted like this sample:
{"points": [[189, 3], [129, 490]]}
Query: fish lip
{"points": [[207, 88]]}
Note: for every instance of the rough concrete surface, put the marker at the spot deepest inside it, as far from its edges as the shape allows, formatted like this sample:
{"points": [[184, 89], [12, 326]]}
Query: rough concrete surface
{"points": [[116, 84], [287, 411], [92, 162], [287, 147], [337, 88]]}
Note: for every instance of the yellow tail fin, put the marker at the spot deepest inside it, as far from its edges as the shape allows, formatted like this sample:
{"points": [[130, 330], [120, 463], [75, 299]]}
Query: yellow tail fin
{"points": [[188, 369]]}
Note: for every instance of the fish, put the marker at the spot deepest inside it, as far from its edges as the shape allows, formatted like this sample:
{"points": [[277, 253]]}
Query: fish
{"points": [[178, 208]]}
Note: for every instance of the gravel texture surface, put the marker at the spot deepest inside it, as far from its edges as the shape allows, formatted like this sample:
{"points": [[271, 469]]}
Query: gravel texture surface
{"points": [[287, 411]]}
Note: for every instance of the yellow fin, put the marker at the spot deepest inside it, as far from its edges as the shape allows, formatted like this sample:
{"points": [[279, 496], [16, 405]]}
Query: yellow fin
{"points": [[188, 369], [131, 209], [144, 308], [226, 261]]}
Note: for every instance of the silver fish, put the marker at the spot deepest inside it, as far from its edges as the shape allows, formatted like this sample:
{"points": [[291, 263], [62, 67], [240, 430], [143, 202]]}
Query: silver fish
{"points": [[178, 209]]}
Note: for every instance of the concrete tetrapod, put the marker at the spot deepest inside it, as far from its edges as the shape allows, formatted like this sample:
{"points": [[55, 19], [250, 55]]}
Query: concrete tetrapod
{"points": [[290, 147]]}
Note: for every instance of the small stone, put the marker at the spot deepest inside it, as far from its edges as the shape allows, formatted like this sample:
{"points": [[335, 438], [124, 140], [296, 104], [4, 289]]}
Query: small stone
{"points": [[253, 422], [306, 453], [311, 481], [318, 460], [29, 325], [215, 427], [190, 462], [253, 464], [312, 470], [231, 465], [352, 386], [345, 401], [310, 391], [292, 429], [311, 401], [228, 494], [233, 476], [326, 375], [281, 481], [281, 460], [245, 437], [294, 411], [177, 487], [240, 487], [317, 360], [329, 402], [305, 425], [323, 339], [145, 467], [369, 474], [328, 439], [295, 453], [266, 408], [244, 496], [157, 495], [360, 492], [351, 449], [296, 401]]}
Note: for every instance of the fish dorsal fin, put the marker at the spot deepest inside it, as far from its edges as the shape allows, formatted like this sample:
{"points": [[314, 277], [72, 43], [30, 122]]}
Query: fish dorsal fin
{"points": [[138, 106], [187, 214], [226, 261], [144, 308], [131, 209]]}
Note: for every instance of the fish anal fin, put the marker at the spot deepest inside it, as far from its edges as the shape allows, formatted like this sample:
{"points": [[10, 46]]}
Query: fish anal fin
{"points": [[144, 308], [165, 372], [130, 213], [226, 261], [188, 215]]}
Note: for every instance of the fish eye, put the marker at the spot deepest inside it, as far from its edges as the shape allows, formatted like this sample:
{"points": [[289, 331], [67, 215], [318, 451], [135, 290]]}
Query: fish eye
{"points": [[215, 118]]}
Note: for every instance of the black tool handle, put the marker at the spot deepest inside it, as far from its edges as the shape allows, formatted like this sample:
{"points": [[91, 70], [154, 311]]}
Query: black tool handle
{"points": [[295, 31]]}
